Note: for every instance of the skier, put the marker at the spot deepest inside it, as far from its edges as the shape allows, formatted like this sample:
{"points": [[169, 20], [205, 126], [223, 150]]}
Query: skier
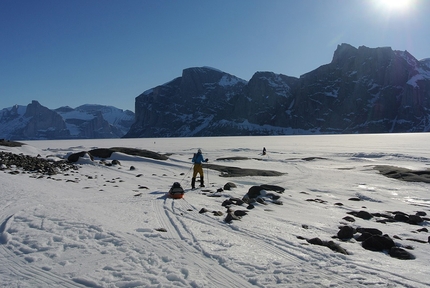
{"points": [[198, 168]]}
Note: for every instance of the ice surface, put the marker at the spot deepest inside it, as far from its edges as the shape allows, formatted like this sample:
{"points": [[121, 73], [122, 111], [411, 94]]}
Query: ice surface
{"points": [[102, 226]]}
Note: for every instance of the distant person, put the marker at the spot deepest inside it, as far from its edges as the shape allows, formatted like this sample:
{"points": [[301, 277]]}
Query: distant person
{"points": [[198, 168], [264, 150]]}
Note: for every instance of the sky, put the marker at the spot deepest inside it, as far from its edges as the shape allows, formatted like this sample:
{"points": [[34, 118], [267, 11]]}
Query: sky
{"points": [[70, 53], [113, 226]]}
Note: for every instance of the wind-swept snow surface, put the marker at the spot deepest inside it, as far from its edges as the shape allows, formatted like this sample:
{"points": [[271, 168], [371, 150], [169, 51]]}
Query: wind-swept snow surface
{"points": [[113, 226]]}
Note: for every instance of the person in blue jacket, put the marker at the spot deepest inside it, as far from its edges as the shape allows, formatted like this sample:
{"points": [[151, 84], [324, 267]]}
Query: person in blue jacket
{"points": [[198, 159]]}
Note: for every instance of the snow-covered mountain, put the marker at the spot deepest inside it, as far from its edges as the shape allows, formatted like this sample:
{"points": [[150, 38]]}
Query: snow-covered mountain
{"points": [[36, 122], [362, 90]]}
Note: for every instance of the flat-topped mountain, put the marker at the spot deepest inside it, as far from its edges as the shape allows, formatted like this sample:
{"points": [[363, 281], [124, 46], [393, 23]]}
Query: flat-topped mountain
{"points": [[362, 90]]}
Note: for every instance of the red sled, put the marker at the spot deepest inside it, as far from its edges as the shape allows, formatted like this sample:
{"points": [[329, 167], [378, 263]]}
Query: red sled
{"points": [[176, 192]]}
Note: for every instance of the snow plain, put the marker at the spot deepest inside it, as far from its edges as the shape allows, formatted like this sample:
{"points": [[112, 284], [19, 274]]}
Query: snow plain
{"points": [[103, 228]]}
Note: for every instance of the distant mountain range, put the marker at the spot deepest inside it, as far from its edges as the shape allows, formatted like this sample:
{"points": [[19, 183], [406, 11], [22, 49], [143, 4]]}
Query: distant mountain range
{"points": [[36, 122], [362, 90]]}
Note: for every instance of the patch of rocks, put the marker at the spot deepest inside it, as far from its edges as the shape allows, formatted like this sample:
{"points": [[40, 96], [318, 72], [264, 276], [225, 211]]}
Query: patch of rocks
{"points": [[16, 162], [404, 174], [375, 240], [256, 195], [8, 143], [105, 153], [330, 244]]}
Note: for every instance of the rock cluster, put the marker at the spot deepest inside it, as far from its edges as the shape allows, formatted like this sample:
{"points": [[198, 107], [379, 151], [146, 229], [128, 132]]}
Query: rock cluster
{"points": [[28, 163], [373, 239], [256, 195], [104, 153]]}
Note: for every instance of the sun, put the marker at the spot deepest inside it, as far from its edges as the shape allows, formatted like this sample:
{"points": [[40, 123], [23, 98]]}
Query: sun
{"points": [[395, 5]]}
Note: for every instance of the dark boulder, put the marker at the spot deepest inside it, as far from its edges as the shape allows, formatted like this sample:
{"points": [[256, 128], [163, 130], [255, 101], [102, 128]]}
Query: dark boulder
{"points": [[378, 243], [345, 232], [102, 153], [349, 219], [363, 236], [400, 253], [254, 191], [229, 185], [75, 156], [372, 231], [336, 247], [275, 188], [315, 241], [401, 217], [415, 220]]}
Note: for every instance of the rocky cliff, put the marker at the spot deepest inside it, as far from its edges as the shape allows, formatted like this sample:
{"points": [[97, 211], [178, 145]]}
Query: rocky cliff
{"points": [[362, 90], [35, 122]]}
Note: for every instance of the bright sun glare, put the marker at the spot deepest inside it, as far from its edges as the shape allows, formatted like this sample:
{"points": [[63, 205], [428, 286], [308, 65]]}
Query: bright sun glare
{"points": [[395, 4]]}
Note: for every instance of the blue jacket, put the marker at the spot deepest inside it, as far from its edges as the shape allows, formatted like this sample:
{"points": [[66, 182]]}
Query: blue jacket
{"points": [[198, 158]]}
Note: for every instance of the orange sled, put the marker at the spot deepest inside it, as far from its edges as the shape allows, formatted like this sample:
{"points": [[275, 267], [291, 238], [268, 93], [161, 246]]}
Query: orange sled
{"points": [[176, 192]]}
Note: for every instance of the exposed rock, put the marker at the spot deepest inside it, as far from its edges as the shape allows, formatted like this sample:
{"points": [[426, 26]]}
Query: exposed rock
{"points": [[75, 156], [349, 219], [401, 218], [330, 244], [35, 122], [313, 158], [345, 232], [362, 90], [230, 217], [404, 174], [8, 143], [378, 243], [315, 241], [254, 191], [229, 185], [34, 164], [229, 171], [371, 231], [361, 214], [400, 253], [217, 213], [275, 188], [415, 220], [363, 236], [239, 213]]}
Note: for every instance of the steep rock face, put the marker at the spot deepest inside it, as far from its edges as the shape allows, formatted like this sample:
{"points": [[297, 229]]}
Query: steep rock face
{"points": [[96, 121], [362, 90], [185, 106], [43, 123], [269, 97], [36, 122]]}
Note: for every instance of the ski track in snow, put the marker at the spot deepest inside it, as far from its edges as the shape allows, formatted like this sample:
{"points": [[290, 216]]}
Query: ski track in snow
{"points": [[95, 232], [218, 276]]}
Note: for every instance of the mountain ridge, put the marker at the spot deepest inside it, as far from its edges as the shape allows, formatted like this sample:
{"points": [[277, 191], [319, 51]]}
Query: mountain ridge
{"points": [[362, 90], [37, 122]]}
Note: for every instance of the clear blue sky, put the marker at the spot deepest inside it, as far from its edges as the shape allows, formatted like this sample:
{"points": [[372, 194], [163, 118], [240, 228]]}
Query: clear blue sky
{"points": [[74, 52]]}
